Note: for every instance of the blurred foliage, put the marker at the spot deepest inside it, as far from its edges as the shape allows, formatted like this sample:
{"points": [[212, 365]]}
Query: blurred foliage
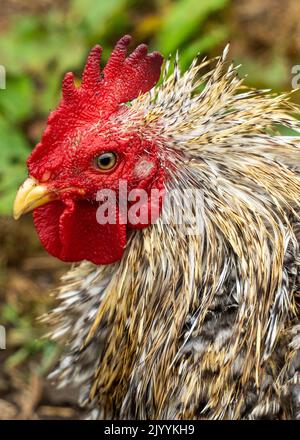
{"points": [[26, 339], [39, 45], [183, 19]]}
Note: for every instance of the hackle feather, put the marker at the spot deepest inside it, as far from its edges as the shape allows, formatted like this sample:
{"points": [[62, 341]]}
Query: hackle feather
{"points": [[203, 325]]}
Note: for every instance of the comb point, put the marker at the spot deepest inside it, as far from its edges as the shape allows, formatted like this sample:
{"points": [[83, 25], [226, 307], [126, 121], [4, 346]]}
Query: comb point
{"points": [[91, 73], [68, 87]]}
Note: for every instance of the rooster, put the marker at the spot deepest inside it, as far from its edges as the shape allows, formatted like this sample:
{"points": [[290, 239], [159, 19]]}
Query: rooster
{"points": [[159, 323]]}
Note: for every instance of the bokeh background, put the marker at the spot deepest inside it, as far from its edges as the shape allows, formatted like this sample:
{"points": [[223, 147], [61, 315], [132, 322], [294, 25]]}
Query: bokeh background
{"points": [[39, 41]]}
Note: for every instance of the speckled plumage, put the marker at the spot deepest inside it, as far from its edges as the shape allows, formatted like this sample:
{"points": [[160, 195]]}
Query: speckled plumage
{"points": [[198, 326]]}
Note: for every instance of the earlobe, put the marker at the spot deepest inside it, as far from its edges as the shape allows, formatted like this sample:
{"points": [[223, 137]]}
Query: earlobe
{"points": [[147, 209]]}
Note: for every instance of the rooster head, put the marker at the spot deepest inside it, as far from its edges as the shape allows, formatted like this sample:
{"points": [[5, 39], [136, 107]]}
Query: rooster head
{"points": [[87, 147]]}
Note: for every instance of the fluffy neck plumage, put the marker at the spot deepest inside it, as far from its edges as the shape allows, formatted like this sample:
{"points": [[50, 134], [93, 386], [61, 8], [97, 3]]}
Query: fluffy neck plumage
{"points": [[205, 325], [187, 326]]}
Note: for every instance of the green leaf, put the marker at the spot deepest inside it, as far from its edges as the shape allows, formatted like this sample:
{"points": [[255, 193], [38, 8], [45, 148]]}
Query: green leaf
{"points": [[14, 177], [184, 17], [285, 131], [49, 97], [273, 75], [203, 45], [14, 150], [51, 351], [97, 15], [17, 358], [33, 43], [16, 101], [9, 314]]}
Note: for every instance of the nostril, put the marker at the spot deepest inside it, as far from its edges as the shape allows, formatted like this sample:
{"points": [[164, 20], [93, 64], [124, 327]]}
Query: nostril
{"points": [[46, 176]]}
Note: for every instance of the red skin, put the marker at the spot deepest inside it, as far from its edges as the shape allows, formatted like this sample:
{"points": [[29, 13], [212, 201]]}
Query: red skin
{"points": [[81, 128]]}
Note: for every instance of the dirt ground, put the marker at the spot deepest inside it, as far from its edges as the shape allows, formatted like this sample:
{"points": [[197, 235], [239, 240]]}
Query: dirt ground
{"points": [[27, 275]]}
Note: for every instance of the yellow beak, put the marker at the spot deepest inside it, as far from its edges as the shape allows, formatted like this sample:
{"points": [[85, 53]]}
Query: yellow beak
{"points": [[31, 195]]}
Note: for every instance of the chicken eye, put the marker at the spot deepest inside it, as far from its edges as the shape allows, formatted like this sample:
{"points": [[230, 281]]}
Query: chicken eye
{"points": [[106, 161]]}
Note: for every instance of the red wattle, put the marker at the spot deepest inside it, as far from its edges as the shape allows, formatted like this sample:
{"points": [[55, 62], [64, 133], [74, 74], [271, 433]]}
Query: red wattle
{"points": [[71, 233]]}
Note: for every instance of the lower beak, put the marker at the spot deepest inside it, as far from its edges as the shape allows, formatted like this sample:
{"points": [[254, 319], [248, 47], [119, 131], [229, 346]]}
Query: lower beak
{"points": [[31, 195]]}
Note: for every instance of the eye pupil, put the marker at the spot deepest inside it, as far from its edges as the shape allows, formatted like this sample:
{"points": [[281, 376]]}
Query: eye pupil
{"points": [[106, 161]]}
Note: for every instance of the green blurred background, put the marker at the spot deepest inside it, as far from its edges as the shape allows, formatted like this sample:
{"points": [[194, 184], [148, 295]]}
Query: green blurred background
{"points": [[39, 41]]}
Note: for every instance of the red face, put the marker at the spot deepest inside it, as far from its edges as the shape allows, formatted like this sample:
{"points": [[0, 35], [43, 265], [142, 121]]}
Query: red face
{"points": [[85, 149]]}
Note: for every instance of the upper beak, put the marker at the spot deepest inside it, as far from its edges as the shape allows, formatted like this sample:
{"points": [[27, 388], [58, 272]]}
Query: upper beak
{"points": [[31, 195]]}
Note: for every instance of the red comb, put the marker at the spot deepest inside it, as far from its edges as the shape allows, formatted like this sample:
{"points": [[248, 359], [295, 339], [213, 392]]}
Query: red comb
{"points": [[123, 78], [100, 94]]}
